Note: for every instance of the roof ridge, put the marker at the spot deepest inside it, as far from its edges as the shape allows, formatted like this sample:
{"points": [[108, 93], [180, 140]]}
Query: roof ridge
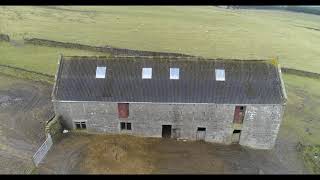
{"points": [[165, 57]]}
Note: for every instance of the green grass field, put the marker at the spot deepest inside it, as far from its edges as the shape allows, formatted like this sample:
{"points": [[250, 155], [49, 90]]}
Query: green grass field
{"points": [[302, 116], [205, 31], [302, 113], [36, 58]]}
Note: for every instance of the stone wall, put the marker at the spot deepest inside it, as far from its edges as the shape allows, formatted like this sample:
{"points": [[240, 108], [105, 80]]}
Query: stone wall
{"points": [[105, 49], [4, 37], [147, 119], [259, 129], [261, 125], [300, 73]]}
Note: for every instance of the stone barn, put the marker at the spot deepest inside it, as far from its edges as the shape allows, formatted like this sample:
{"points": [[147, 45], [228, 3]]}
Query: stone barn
{"points": [[222, 101]]}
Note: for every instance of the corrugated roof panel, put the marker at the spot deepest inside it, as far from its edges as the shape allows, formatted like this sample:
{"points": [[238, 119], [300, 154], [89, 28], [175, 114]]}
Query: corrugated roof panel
{"points": [[247, 82]]}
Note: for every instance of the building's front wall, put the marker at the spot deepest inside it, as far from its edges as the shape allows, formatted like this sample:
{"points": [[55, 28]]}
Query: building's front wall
{"points": [[259, 129]]}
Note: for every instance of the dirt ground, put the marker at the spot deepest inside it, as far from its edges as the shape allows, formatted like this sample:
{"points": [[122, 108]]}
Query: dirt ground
{"points": [[121, 154], [24, 107]]}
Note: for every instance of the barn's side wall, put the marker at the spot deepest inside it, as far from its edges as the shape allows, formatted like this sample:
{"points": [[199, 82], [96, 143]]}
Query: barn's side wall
{"points": [[261, 125], [259, 129], [147, 119]]}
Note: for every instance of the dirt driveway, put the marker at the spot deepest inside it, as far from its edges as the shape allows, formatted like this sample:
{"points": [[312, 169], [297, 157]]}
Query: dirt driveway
{"points": [[120, 154], [24, 107]]}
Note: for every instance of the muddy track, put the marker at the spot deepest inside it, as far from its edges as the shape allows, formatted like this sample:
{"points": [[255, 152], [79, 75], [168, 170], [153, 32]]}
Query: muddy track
{"points": [[84, 154], [24, 108]]}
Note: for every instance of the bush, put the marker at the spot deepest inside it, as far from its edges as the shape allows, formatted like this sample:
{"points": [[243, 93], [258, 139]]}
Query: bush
{"points": [[54, 128], [311, 156]]}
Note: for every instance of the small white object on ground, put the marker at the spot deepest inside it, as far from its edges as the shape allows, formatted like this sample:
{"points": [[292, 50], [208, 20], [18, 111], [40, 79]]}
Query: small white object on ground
{"points": [[65, 131]]}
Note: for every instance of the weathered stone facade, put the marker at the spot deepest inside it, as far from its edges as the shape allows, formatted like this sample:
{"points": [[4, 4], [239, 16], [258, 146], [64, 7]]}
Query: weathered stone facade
{"points": [[259, 129], [261, 125]]}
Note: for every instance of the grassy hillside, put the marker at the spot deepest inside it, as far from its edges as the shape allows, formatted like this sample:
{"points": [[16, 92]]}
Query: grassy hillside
{"points": [[301, 9], [36, 58], [205, 31], [302, 113], [302, 117]]}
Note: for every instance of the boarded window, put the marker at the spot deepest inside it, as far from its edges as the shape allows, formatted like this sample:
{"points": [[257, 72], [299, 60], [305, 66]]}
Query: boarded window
{"points": [[146, 73], [101, 72], [174, 73], [220, 75], [125, 126], [239, 114], [123, 110]]}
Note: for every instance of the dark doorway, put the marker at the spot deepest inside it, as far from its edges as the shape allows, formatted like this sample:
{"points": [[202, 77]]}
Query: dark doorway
{"points": [[201, 133], [166, 131], [236, 136]]}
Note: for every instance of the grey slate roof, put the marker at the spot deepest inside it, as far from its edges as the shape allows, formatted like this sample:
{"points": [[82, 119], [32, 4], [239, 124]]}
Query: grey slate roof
{"points": [[247, 81]]}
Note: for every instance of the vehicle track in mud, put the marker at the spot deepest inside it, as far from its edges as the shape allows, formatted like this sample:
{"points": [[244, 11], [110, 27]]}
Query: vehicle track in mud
{"points": [[24, 107], [117, 154]]}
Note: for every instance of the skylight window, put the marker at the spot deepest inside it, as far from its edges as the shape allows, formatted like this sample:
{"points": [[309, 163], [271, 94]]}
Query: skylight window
{"points": [[101, 72], [146, 73], [174, 73], [220, 75]]}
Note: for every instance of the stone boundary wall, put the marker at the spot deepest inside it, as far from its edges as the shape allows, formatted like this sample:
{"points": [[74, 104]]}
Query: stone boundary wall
{"points": [[300, 72], [106, 49], [122, 51], [4, 37], [129, 52], [21, 69], [25, 74]]}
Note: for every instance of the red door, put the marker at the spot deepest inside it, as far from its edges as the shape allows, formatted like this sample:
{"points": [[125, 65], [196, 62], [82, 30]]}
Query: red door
{"points": [[238, 115], [123, 110]]}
